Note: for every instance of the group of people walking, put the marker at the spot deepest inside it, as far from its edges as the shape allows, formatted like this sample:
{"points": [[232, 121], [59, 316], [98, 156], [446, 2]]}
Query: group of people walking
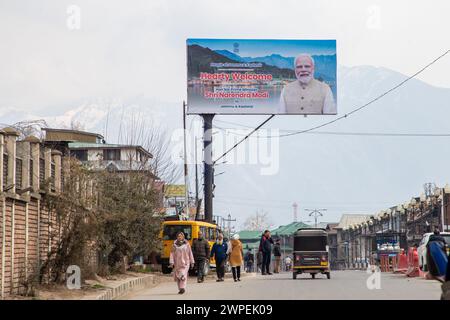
{"points": [[267, 247], [183, 258]]}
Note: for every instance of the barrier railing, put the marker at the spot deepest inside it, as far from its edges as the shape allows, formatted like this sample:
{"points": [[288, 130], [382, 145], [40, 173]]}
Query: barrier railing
{"points": [[401, 263], [413, 263]]}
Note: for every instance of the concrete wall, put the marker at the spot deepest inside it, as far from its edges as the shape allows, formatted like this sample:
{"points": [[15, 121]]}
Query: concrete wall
{"points": [[25, 233]]}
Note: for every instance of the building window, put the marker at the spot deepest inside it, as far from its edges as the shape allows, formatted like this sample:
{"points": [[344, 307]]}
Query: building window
{"points": [[31, 172], [62, 179], [18, 174], [5, 170], [81, 155], [41, 172], [52, 176], [111, 154]]}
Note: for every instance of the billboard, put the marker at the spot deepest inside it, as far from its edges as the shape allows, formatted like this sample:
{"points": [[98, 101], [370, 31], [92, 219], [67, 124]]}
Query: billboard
{"points": [[175, 190], [229, 76]]}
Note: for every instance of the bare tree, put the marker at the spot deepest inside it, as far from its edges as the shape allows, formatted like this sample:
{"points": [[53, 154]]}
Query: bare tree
{"points": [[154, 138], [258, 222], [28, 128], [76, 125]]}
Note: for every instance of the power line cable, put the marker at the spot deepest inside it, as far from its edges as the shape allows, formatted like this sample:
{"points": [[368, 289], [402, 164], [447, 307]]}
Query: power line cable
{"points": [[242, 140], [366, 104], [337, 133]]}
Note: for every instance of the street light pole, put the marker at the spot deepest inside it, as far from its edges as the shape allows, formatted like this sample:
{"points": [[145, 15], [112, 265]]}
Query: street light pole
{"points": [[316, 213]]}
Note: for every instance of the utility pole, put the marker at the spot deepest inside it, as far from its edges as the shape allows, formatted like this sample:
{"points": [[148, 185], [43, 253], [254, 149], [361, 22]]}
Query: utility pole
{"points": [[208, 165], [429, 189], [229, 220], [257, 219], [186, 194], [196, 173], [295, 206], [316, 213], [197, 207]]}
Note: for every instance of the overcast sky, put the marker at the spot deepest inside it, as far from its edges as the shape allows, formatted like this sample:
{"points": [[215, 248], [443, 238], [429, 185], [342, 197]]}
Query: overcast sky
{"points": [[134, 52], [126, 48]]}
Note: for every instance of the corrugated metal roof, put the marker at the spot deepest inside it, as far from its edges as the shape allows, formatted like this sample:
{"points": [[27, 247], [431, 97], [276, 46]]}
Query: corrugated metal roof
{"points": [[250, 245], [348, 219], [73, 131], [249, 234], [289, 228], [82, 145]]}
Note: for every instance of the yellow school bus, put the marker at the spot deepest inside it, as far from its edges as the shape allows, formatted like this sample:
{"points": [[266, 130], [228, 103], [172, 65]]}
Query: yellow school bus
{"points": [[190, 228]]}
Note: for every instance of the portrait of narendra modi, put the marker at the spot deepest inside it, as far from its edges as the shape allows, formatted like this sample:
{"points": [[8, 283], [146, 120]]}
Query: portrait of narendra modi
{"points": [[306, 95]]}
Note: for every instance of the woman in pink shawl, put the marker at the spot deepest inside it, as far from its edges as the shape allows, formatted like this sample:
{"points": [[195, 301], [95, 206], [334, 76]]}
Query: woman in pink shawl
{"points": [[181, 258]]}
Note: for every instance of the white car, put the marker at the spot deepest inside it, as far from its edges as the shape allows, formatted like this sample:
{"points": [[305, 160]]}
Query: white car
{"points": [[422, 249]]}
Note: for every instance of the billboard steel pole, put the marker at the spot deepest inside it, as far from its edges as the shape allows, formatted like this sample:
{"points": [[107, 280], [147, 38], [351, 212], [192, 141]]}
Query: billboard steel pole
{"points": [[208, 165], [186, 193]]}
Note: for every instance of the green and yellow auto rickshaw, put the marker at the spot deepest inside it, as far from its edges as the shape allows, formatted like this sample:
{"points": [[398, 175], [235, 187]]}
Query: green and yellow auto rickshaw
{"points": [[311, 252]]}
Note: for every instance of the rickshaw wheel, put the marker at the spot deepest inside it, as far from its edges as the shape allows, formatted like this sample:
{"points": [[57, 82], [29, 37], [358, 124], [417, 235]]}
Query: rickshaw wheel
{"points": [[313, 275], [294, 275], [328, 275]]}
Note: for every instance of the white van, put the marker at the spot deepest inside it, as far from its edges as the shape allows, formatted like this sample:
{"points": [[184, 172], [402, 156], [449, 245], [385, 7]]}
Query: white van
{"points": [[422, 249]]}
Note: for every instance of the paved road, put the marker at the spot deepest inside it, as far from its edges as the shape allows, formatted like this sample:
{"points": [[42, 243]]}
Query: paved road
{"points": [[343, 285]]}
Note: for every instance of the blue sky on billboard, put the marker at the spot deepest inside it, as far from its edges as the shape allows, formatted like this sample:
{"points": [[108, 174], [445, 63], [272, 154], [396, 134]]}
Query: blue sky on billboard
{"points": [[256, 47]]}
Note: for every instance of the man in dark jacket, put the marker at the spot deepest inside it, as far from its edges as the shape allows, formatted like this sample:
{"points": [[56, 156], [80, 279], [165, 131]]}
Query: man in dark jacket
{"points": [[219, 253], [265, 246], [277, 256], [249, 260], [201, 251]]}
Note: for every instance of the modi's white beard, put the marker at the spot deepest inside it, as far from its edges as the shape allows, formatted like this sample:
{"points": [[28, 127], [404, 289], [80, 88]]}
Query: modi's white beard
{"points": [[305, 79]]}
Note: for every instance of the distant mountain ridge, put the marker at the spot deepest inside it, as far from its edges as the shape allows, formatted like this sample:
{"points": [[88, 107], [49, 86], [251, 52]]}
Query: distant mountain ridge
{"points": [[328, 170], [324, 64], [200, 58]]}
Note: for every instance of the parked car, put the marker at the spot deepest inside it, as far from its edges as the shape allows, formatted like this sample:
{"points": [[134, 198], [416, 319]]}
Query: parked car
{"points": [[422, 249]]}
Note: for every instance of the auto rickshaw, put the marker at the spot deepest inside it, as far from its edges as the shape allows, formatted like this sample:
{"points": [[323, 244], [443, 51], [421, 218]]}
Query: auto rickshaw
{"points": [[311, 252]]}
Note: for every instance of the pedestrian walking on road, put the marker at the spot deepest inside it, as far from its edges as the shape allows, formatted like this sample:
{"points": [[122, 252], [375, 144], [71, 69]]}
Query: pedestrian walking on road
{"points": [[201, 251], [236, 257], [181, 258], [249, 260], [277, 256], [219, 253], [259, 261], [265, 246], [288, 262]]}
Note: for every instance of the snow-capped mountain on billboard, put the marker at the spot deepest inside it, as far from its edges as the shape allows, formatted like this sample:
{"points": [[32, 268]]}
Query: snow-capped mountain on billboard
{"points": [[324, 64]]}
